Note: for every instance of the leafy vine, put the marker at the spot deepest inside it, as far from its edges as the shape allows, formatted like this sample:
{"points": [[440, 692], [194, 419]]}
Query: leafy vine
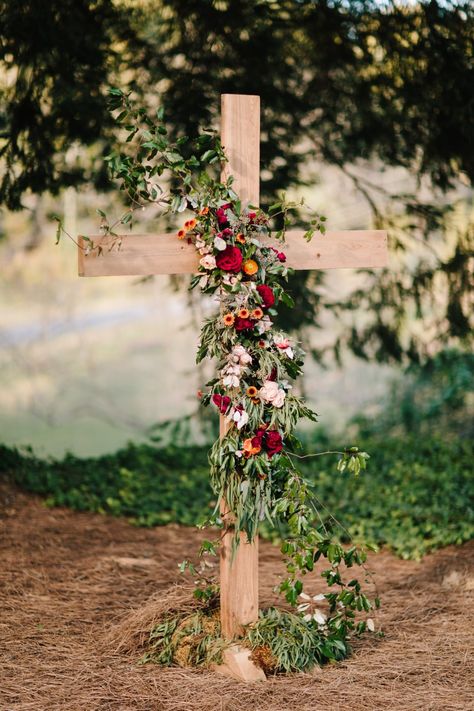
{"points": [[243, 263]]}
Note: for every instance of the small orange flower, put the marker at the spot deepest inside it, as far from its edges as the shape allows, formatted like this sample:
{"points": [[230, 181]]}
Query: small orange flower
{"points": [[244, 313], [251, 391], [204, 211], [261, 344], [247, 444], [249, 449], [250, 267], [240, 238], [257, 314], [192, 224], [199, 394], [186, 224], [181, 234], [255, 400], [228, 320]]}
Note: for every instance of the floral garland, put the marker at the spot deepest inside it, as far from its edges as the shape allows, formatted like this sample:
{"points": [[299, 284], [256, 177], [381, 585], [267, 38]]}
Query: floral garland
{"points": [[243, 263]]}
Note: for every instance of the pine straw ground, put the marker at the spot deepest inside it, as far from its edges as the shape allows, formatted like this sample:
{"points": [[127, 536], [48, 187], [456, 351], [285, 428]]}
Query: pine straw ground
{"points": [[70, 581]]}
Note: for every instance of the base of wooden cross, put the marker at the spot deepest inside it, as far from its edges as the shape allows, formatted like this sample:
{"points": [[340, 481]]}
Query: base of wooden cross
{"points": [[236, 663]]}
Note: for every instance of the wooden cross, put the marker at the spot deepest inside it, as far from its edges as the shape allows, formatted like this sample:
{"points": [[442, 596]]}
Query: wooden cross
{"points": [[165, 254]]}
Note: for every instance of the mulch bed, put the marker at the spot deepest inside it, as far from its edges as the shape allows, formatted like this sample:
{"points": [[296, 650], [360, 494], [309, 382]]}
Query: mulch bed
{"points": [[71, 582]]}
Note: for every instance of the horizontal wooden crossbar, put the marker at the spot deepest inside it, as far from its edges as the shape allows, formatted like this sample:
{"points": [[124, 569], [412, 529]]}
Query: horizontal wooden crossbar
{"points": [[141, 255]]}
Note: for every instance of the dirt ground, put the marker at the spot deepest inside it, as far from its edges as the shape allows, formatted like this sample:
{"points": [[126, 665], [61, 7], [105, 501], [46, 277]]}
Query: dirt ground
{"points": [[69, 580]]}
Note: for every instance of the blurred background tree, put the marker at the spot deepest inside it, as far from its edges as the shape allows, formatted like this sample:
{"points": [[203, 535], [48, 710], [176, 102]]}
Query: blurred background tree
{"points": [[354, 85]]}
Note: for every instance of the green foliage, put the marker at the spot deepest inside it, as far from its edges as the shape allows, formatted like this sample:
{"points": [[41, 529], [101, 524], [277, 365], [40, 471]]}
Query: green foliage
{"points": [[351, 76], [151, 486], [349, 81], [417, 495], [293, 644], [435, 396], [280, 641], [187, 640]]}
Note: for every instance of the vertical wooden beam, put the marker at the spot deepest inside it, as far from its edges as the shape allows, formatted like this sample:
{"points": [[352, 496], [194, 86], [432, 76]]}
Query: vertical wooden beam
{"points": [[240, 134]]}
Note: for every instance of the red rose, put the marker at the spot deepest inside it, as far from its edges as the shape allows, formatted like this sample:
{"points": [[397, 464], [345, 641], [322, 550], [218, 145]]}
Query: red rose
{"points": [[273, 442], [222, 215], [243, 324], [280, 255], [266, 294], [230, 259], [222, 402]]}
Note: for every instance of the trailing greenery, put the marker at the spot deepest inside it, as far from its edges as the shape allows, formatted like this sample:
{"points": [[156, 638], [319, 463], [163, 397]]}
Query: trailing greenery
{"points": [[418, 494], [280, 641], [346, 80], [192, 639]]}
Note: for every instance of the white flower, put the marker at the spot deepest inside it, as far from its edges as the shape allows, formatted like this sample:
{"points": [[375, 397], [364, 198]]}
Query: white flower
{"points": [[241, 354], [303, 607], [370, 625], [283, 343], [199, 244], [320, 617], [208, 262], [264, 324], [231, 381], [232, 370], [319, 598], [220, 244], [229, 279], [279, 399], [272, 393], [268, 391], [304, 596], [307, 618], [240, 418]]}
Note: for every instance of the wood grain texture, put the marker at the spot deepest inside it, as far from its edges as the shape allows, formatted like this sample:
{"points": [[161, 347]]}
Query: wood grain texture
{"points": [[240, 135], [140, 255], [237, 664]]}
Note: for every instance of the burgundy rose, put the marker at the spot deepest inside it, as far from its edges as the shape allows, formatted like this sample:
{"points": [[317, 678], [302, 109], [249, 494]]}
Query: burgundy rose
{"points": [[273, 442], [230, 259], [266, 294], [243, 324], [273, 374], [256, 441], [222, 402], [221, 214], [280, 255]]}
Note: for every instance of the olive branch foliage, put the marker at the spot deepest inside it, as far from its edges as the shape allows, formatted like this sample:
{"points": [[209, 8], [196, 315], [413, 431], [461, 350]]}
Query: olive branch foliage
{"points": [[183, 175]]}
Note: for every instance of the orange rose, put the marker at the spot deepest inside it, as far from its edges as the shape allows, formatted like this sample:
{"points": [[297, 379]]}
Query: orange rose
{"points": [[250, 267]]}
